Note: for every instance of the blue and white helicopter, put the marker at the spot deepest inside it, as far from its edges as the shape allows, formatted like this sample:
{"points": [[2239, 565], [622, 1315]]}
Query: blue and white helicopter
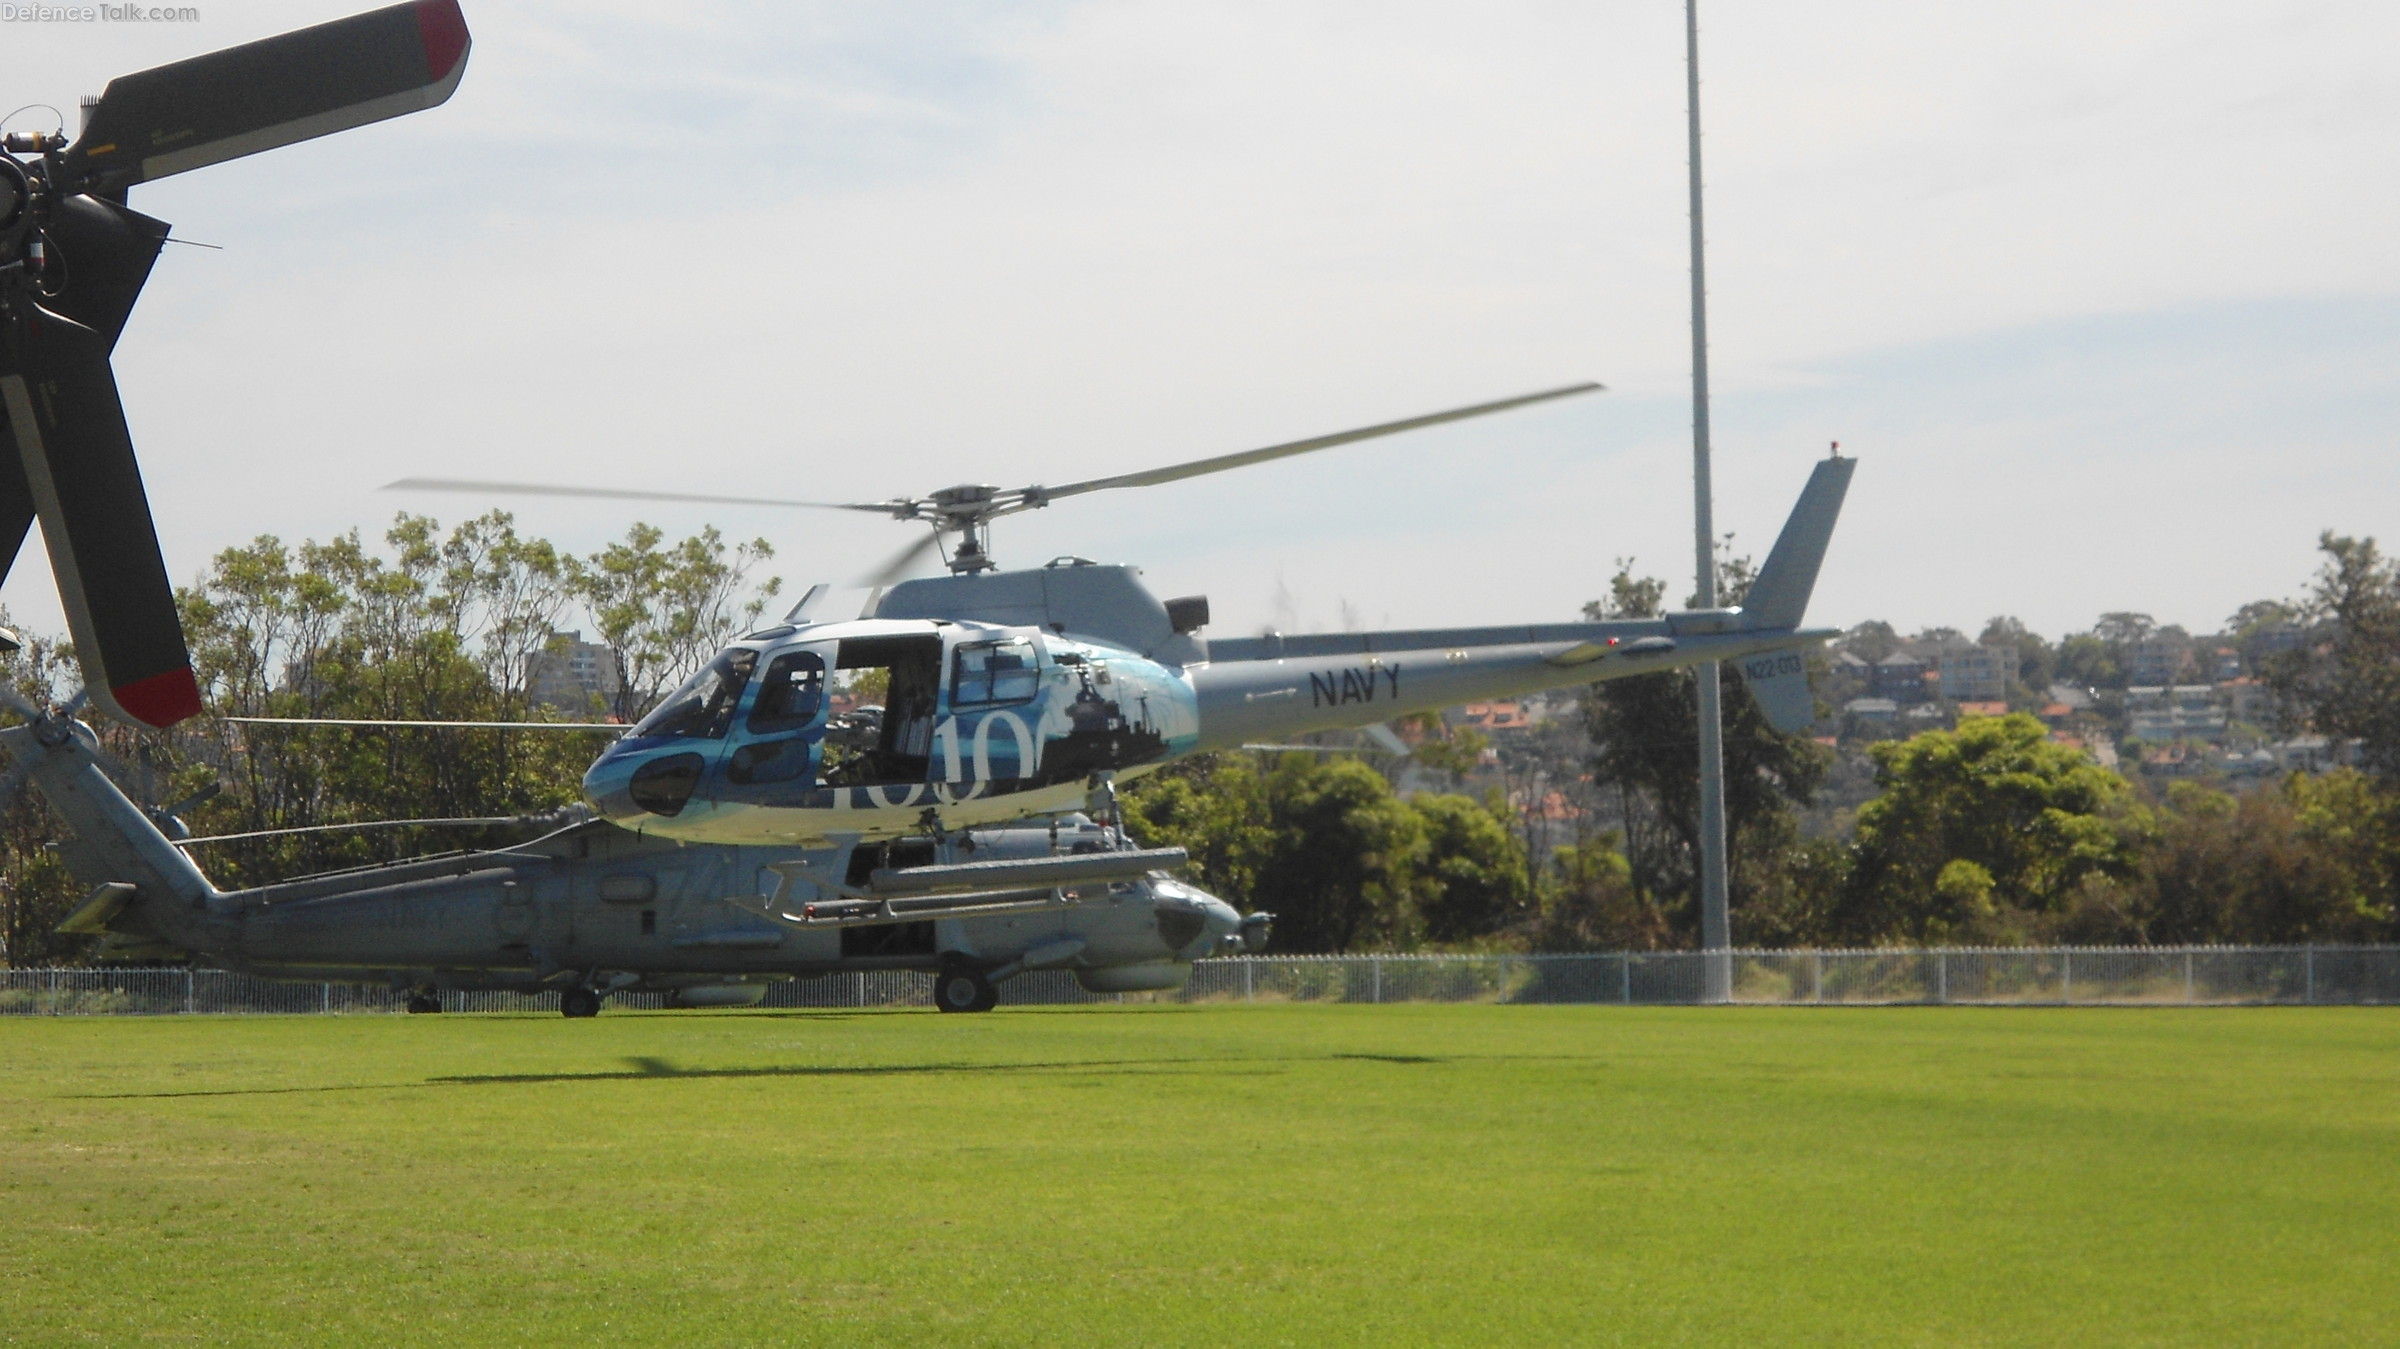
{"points": [[1013, 694]]}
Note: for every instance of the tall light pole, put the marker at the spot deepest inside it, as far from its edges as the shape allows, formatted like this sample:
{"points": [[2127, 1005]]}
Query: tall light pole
{"points": [[1716, 928]]}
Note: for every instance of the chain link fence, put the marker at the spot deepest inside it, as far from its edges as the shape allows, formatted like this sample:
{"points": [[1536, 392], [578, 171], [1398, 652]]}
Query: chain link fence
{"points": [[1997, 976]]}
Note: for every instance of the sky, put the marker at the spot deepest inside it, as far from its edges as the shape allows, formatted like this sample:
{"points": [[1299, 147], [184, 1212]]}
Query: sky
{"points": [[2102, 296]]}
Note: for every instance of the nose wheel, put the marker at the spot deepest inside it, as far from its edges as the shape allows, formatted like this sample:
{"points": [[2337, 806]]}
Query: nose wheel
{"points": [[962, 988], [578, 1002]]}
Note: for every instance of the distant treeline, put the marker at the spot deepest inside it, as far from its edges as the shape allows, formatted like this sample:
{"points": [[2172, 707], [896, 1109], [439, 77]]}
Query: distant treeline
{"points": [[1989, 833]]}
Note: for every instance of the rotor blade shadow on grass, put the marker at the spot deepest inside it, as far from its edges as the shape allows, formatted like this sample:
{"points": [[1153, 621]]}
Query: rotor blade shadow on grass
{"points": [[650, 1069]]}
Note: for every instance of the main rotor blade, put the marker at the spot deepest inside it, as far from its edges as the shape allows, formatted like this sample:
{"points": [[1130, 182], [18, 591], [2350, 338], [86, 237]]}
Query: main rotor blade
{"points": [[1244, 458], [78, 459], [900, 564], [276, 91], [16, 500], [619, 727], [480, 488]]}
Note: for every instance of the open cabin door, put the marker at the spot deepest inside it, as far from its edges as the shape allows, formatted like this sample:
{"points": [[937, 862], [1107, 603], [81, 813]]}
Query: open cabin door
{"points": [[885, 735]]}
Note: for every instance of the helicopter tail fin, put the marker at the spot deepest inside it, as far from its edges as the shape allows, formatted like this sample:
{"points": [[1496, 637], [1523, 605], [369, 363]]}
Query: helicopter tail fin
{"points": [[114, 843], [1778, 598]]}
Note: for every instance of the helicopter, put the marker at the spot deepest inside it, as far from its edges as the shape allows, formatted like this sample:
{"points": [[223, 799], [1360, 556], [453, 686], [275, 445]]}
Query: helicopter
{"points": [[587, 909], [1012, 693]]}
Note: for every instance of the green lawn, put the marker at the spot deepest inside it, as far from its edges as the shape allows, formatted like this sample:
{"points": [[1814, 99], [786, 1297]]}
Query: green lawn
{"points": [[1225, 1175]]}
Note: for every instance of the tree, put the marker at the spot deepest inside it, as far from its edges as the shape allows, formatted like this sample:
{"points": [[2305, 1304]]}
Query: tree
{"points": [[663, 613], [2086, 660], [2036, 660], [1871, 641], [1591, 904], [1342, 855], [1472, 881], [2343, 681], [2034, 819], [1645, 734], [2313, 859]]}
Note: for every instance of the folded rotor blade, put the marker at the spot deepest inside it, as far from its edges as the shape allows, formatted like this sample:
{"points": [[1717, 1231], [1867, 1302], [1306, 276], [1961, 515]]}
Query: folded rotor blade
{"points": [[269, 93], [1243, 458], [478, 488], [900, 564], [100, 254], [78, 460], [16, 500]]}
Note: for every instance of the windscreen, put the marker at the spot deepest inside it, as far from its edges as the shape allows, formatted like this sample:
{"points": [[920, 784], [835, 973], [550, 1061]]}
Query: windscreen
{"points": [[703, 707]]}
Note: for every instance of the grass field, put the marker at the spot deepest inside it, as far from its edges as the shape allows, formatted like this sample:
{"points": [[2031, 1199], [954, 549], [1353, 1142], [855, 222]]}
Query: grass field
{"points": [[1248, 1175]]}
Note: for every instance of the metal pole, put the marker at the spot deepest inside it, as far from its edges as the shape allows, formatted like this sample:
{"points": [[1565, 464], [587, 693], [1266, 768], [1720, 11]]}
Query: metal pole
{"points": [[1941, 976], [2188, 995], [1625, 980], [1377, 963], [2066, 975], [2311, 994], [1249, 991], [1816, 979], [1716, 928]]}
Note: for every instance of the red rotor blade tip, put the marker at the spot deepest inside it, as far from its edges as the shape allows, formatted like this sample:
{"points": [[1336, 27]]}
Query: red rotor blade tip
{"points": [[161, 700], [444, 29]]}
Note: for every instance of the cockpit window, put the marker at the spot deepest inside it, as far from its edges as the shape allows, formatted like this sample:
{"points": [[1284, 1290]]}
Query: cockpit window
{"points": [[789, 694], [985, 673], [703, 707]]}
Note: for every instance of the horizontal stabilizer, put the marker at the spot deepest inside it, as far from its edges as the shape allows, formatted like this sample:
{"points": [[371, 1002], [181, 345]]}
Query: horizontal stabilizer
{"points": [[1778, 598], [1779, 680]]}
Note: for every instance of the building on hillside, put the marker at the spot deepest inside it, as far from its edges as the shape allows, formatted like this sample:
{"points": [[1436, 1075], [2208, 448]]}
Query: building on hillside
{"points": [[2158, 660], [2174, 722], [1495, 718], [2314, 754], [2247, 700], [2175, 712], [573, 674], [1899, 677], [1977, 673], [2224, 663], [1872, 709], [1997, 707]]}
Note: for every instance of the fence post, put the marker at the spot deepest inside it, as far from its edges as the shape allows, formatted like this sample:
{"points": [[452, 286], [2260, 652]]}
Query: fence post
{"points": [[2310, 995], [2189, 996], [54, 990], [1816, 977], [1941, 977], [1376, 962], [2066, 976], [1249, 989], [862, 988], [326, 1006], [1625, 979]]}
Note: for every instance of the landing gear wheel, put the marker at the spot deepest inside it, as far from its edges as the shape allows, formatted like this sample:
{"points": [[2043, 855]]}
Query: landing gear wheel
{"points": [[962, 988], [579, 1002], [423, 1000]]}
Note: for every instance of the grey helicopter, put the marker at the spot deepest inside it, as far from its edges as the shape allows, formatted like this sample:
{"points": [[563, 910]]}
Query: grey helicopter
{"points": [[589, 909]]}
